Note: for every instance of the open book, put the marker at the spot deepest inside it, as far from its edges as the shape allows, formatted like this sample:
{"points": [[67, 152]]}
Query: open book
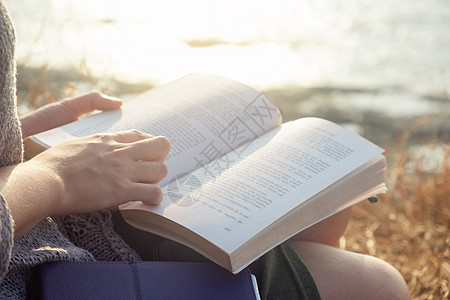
{"points": [[240, 182]]}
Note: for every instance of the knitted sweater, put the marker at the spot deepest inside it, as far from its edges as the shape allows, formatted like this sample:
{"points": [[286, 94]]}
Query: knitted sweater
{"points": [[83, 237]]}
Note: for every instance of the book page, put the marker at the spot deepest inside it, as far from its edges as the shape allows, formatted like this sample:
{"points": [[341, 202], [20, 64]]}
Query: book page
{"points": [[231, 199], [204, 117]]}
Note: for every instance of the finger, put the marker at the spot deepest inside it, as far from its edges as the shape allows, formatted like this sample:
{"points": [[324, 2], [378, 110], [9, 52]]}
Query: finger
{"points": [[155, 148], [128, 136], [45, 118], [89, 102], [149, 172], [65, 111], [148, 193]]}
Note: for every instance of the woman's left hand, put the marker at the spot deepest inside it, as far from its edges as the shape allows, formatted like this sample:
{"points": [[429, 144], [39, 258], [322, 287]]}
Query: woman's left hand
{"points": [[65, 111]]}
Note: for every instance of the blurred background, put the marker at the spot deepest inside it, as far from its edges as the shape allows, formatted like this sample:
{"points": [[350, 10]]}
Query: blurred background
{"points": [[380, 68]]}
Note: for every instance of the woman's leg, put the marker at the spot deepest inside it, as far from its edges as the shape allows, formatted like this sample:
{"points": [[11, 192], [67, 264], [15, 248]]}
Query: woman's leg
{"points": [[341, 274], [327, 231]]}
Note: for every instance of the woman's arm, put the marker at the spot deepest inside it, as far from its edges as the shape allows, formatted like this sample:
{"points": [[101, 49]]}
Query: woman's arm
{"points": [[83, 175]]}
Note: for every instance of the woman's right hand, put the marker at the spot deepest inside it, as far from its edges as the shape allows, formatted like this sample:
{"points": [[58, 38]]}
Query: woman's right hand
{"points": [[87, 174], [106, 170]]}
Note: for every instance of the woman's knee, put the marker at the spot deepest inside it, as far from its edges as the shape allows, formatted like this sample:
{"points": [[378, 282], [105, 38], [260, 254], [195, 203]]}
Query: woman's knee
{"points": [[342, 274], [386, 280]]}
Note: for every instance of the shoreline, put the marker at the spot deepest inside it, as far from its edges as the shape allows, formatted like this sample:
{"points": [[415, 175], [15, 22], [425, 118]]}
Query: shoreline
{"points": [[373, 113]]}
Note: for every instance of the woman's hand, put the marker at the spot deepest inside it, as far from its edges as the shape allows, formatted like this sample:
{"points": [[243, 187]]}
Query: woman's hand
{"points": [[106, 170], [65, 111], [84, 175]]}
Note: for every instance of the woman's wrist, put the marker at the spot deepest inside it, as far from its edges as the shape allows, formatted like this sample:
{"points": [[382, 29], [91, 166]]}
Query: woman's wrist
{"points": [[31, 192]]}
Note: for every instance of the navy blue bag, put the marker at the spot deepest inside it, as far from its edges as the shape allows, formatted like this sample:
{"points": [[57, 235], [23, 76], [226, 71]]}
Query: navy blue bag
{"points": [[142, 280]]}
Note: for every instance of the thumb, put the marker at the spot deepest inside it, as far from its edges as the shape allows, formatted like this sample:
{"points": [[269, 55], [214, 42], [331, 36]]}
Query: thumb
{"points": [[89, 102]]}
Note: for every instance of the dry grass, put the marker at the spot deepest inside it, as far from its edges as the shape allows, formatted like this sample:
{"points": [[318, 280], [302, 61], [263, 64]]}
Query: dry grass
{"points": [[409, 227]]}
